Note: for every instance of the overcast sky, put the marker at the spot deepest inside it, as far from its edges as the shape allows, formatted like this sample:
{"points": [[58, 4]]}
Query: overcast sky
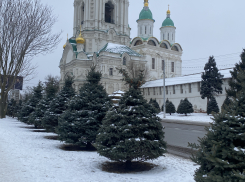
{"points": [[203, 28]]}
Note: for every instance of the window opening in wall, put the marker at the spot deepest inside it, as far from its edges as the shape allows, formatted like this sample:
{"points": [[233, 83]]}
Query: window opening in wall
{"points": [[168, 36], [153, 63], [198, 86], [181, 89], [124, 61], [151, 42], [166, 90], [154, 91], [172, 66], [160, 91], [140, 30], [145, 29], [138, 42], [109, 12], [172, 36], [111, 72], [173, 89], [189, 87], [163, 38], [148, 91], [162, 65], [150, 30]]}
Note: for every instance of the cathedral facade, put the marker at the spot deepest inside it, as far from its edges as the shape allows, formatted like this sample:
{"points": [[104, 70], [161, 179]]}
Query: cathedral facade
{"points": [[101, 37]]}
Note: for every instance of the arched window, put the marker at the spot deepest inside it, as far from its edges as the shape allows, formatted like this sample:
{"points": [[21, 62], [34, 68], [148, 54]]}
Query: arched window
{"points": [[138, 42], [109, 12], [151, 42], [168, 36], [124, 61], [145, 29], [163, 45], [175, 48]]}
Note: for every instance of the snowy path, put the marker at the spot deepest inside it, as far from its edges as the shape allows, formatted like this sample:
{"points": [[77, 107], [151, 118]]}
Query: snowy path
{"points": [[26, 156]]}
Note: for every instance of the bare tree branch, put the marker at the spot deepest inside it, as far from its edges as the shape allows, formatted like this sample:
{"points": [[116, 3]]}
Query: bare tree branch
{"points": [[25, 31]]}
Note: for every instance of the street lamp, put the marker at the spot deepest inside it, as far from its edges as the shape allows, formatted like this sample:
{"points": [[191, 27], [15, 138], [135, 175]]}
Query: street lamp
{"points": [[164, 91]]}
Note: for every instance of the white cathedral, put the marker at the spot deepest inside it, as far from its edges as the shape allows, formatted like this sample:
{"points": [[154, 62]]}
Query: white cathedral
{"points": [[101, 36]]}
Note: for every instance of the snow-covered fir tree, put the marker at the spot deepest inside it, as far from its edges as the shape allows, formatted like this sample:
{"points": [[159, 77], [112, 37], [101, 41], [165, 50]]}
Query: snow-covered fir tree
{"points": [[80, 123], [170, 108], [185, 107], [234, 83], [51, 89], [211, 83], [58, 105], [29, 107], [11, 109], [226, 103], [221, 153], [132, 131], [154, 103], [212, 106]]}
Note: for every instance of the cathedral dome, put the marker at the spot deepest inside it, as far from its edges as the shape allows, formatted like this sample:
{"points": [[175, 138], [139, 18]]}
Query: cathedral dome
{"points": [[146, 14], [168, 22]]}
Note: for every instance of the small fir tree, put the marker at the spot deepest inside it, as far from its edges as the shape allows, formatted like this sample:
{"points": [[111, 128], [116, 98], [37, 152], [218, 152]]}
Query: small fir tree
{"points": [[211, 83], [185, 107], [80, 123], [155, 104], [51, 89], [30, 105], [226, 103], [170, 108], [132, 131], [11, 109], [58, 105], [221, 152], [166, 102], [235, 82], [212, 106]]}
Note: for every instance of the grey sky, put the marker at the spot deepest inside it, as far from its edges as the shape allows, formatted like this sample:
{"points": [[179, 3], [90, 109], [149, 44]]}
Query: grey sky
{"points": [[203, 28]]}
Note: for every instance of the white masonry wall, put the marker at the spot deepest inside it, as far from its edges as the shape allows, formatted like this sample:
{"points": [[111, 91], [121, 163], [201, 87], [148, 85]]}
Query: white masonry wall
{"points": [[194, 96]]}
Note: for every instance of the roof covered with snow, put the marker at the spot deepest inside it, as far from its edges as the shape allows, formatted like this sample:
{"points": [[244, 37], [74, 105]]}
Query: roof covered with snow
{"points": [[119, 49], [182, 80]]}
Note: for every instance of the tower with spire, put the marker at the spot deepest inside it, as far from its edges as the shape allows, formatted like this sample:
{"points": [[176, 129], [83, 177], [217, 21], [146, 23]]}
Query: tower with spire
{"points": [[168, 29], [145, 22]]}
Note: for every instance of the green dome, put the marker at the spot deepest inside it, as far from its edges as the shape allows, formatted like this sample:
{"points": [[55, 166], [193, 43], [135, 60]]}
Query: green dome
{"points": [[146, 14], [168, 22]]}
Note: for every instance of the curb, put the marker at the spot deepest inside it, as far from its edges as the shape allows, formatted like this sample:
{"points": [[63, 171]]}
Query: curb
{"points": [[186, 122]]}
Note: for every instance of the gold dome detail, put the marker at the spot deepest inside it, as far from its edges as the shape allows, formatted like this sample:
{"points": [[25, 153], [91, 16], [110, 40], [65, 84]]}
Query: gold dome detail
{"points": [[80, 39], [146, 3], [64, 46], [168, 12]]}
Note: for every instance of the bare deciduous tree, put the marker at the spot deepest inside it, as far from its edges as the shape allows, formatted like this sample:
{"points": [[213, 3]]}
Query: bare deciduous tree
{"points": [[134, 70], [25, 31]]}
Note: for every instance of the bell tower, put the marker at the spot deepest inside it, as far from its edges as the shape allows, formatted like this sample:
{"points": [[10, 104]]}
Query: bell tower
{"points": [[102, 21]]}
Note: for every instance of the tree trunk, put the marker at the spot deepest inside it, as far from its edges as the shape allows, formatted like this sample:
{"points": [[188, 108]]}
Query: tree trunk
{"points": [[128, 164], [207, 105], [89, 145], [3, 105]]}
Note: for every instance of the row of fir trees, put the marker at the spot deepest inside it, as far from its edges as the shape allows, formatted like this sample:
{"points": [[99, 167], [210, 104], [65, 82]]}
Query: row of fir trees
{"points": [[126, 133], [221, 153]]}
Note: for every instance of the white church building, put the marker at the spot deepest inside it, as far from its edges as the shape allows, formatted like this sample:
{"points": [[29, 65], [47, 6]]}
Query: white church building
{"points": [[101, 37]]}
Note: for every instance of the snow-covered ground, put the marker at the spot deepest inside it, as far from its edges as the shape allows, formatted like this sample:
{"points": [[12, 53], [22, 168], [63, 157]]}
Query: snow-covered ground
{"points": [[198, 117], [27, 156]]}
